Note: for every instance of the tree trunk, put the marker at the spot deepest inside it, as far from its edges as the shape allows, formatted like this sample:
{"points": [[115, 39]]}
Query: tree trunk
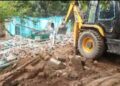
{"points": [[2, 32]]}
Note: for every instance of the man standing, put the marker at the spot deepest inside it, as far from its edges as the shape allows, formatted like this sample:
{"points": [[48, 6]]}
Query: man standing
{"points": [[52, 33]]}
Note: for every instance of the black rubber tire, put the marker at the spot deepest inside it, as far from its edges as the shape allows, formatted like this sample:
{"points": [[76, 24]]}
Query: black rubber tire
{"points": [[98, 48]]}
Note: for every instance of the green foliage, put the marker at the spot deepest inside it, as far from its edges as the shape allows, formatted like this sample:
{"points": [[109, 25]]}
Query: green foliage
{"points": [[104, 4], [47, 8], [6, 10], [32, 8], [40, 8], [84, 5], [9, 9]]}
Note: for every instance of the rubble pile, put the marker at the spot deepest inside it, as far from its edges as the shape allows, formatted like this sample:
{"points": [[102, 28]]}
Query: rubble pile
{"points": [[19, 47], [43, 65], [63, 39], [15, 48], [58, 67]]}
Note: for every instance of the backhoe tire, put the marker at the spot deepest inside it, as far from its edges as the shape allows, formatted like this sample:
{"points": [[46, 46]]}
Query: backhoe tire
{"points": [[90, 44]]}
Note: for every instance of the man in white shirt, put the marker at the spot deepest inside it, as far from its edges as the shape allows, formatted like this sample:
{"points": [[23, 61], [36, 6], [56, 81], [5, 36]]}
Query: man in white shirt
{"points": [[52, 33]]}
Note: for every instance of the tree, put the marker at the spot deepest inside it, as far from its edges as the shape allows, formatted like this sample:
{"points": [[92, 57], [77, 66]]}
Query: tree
{"points": [[9, 9], [5, 12], [47, 8]]}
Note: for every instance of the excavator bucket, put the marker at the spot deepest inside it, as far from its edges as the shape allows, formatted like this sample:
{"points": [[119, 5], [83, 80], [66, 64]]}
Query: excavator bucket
{"points": [[62, 29]]}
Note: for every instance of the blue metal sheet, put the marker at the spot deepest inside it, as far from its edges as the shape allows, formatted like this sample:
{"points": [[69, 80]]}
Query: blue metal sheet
{"points": [[27, 26]]}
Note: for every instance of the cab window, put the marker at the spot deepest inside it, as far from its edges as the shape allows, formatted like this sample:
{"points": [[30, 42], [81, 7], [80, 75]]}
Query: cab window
{"points": [[106, 10]]}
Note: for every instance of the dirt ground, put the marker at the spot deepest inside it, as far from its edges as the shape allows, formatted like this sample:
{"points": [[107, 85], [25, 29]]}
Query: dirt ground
{"points": [[60, 67]]}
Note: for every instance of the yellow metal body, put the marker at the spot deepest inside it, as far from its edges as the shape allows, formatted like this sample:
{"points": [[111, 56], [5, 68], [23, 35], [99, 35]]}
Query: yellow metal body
{"points": [[99, 29], [78, 24]]}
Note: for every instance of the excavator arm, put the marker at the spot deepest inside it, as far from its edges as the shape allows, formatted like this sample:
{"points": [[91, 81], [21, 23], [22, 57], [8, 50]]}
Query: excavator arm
{"points": [[74, 8], [62, 28], [69, 11]]}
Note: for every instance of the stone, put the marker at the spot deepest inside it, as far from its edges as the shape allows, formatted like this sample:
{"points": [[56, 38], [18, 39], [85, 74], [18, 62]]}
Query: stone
{"points": [[95, 62], [86, 68], [76, 83], [41, 74], [40, 66], [29, 68], [10, 57], [73, 75], [46, 58], [61, 58], [55, 64], [76, 63]]}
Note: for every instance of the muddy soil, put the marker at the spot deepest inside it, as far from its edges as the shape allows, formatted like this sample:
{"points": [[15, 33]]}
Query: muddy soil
{"points": [[61, 67]]}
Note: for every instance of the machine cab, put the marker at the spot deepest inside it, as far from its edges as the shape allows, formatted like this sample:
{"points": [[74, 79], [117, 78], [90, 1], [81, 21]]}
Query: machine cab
{"points": [[107, 15]]}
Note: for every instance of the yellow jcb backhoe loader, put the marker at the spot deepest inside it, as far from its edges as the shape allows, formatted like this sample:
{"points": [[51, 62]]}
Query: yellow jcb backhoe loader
{"points": [[101, 31]]}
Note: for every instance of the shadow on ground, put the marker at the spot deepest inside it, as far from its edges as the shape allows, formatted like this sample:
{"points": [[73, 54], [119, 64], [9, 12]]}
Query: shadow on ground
{"points": [[110, 57]]}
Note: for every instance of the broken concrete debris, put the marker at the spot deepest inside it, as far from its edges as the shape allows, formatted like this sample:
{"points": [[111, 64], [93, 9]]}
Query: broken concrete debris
{"points": [[41, 65], [18, 47]]}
